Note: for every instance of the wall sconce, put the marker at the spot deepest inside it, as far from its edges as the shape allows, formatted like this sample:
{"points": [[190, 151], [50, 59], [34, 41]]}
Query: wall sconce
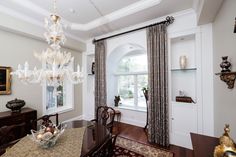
{"points": [[235, 26]]}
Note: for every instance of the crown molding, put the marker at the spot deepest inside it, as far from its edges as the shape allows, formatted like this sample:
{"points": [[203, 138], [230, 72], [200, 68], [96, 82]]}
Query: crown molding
{"points": [[177, 14], [130, 9], [32, 29], [22, 17], [17, 15]]}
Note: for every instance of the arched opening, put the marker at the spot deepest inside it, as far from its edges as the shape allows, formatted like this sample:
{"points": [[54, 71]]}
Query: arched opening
{"points": [[127, 75]]}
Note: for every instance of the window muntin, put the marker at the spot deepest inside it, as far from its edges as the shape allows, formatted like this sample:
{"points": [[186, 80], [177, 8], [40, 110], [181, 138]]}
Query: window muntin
{"points": [[58, 100], [132, 78], [126, 89], [133, 63], [55, 98]]}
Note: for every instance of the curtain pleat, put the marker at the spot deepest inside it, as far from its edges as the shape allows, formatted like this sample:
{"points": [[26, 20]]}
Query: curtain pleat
{"points": [[100, 74], [158, 121]]}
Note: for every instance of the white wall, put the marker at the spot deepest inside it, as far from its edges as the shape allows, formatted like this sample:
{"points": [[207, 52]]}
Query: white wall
{"points": [[224, 45], [184, 21], [16, 49], [207, 74]]}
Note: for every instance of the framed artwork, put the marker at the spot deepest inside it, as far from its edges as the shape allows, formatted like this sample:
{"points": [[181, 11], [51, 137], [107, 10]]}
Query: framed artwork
{"points": [[5, 80]]}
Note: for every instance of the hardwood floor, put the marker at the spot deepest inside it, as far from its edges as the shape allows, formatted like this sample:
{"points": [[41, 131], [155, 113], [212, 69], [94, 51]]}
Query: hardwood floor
{"points": [[137, 134]]}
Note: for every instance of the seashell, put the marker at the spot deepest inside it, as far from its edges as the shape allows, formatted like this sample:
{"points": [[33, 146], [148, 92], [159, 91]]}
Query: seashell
{"points": [[47, 136], [39, 136]]}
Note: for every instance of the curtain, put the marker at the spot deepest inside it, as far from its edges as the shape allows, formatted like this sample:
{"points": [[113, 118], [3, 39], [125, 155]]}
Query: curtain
{"points": [[158, 121], [100, 74]]}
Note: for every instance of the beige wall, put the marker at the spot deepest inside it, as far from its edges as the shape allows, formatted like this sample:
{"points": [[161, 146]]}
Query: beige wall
{"points": [[224, 45], [17, 49]]}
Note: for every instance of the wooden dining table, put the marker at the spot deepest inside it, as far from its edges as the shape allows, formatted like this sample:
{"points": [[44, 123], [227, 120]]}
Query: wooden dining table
{"points": [[96, 137], [81, 138]]}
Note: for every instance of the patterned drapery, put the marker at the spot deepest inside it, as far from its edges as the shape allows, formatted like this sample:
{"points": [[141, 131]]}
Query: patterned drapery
{"points": [[100, 74], [158, 121]]}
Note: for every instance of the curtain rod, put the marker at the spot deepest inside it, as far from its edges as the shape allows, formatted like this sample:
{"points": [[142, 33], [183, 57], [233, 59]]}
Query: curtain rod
{"points": [[169, 20]]}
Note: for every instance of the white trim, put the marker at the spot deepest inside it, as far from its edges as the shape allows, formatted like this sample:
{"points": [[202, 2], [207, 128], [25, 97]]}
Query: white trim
{"points": [[138, 109], [88, 117], [28, 19], [69, 98], [131, 73], [128, 10], [72, 119], [133, 122], [131, 9], [19, 16], [60, 110], [177, 14]]}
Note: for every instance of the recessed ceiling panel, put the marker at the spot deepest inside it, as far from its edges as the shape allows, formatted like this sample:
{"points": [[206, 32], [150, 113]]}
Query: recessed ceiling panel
{"points": [[164, 8], [76, 11], [83, 12], [109, 6]]}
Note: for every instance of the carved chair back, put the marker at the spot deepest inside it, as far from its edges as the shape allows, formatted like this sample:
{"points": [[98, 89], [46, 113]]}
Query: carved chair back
{"points": [[105, 115], [45, 120]]}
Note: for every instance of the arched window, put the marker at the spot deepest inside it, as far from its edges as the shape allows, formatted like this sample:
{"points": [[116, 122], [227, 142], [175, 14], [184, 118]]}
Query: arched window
{"points": [[132, 77]]}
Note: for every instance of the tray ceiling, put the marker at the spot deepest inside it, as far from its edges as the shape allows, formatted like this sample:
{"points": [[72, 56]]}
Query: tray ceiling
{"points": [[88, 18]]}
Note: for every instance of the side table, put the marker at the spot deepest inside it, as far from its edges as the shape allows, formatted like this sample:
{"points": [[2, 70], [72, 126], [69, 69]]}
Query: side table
{"points": [[118, 116]]}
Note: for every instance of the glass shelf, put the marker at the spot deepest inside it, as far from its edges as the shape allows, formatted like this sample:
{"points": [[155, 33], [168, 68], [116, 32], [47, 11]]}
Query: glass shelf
{"points": [[187, 69]]}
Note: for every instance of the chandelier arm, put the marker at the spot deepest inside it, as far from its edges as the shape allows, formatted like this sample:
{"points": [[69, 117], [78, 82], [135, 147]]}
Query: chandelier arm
{"points": [[70, 76], [56, 69]]}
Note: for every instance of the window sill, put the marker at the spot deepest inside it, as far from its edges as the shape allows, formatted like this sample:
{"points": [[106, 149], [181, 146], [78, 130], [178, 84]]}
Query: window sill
{"points": [[60, 110], [131, 108]]}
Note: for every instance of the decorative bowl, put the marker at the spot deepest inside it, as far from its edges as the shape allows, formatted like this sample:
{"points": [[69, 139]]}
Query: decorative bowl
{"points": [[46, 137], [15, 105]]}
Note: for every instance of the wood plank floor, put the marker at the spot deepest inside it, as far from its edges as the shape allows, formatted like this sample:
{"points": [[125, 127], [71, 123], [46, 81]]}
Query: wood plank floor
{"points": [[137, 134]]}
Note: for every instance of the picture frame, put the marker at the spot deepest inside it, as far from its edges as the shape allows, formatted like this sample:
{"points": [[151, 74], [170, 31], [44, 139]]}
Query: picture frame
{"points": [[5, 80]]}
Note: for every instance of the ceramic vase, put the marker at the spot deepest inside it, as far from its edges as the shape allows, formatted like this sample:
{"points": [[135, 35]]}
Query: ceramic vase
{"points": [[183, 62]]}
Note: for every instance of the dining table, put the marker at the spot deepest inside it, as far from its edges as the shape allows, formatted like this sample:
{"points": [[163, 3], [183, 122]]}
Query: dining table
{"points": [[95, 136], [80, 138]]}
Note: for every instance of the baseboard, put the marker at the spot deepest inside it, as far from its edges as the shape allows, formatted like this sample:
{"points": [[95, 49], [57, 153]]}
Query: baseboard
{"points": [[75, 118], [133, 122], [87, 117], [123, 120]]}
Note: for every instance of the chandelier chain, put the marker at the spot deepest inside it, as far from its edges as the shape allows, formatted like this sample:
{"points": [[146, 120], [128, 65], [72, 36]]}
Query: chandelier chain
{"points": [[54, 7]]}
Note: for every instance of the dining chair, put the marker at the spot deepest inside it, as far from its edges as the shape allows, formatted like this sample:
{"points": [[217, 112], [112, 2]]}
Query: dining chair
{"points": [[145, 93], [107, 148], [46, 121], [105, 115], [9, 134], [113, 144]]}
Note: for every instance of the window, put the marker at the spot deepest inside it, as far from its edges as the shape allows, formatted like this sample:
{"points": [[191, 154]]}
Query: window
{"points": [[132, 78], [58, 99], [55, 97]]}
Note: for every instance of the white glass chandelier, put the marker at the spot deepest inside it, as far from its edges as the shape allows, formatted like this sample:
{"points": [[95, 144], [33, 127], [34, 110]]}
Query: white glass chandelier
{"points": [[56, 69]]}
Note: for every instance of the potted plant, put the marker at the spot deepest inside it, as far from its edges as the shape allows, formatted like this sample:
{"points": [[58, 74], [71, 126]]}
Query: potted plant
{"points": [[117, 100]]}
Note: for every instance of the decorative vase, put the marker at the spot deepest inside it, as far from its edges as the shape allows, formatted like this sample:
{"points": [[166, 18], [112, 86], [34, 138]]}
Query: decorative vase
{"points": [[225, 64], [15, 105], [183, 62]]}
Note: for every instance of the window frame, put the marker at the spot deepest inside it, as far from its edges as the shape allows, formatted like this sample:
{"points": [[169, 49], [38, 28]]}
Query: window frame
{"points": [[135, 74], [69, 96]]}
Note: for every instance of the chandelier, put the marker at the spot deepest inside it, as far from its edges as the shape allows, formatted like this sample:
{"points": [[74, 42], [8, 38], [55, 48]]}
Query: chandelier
{"points": [[55, 69]]}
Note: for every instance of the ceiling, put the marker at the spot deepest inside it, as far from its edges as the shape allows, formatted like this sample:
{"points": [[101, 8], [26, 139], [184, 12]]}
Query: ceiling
{"points": [[86, 19]]}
